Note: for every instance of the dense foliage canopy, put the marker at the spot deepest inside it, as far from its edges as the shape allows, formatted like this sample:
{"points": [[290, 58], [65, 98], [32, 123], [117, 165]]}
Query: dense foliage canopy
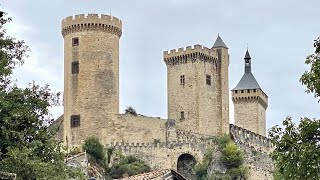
{"points": [[297, 147]]}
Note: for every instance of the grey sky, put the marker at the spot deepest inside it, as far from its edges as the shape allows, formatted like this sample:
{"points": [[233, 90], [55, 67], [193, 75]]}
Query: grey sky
{"points": [[280, 35]]}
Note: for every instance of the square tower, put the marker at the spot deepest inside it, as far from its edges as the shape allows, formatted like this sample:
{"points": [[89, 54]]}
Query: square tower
{"points": [[250, 102], [197, 81]]}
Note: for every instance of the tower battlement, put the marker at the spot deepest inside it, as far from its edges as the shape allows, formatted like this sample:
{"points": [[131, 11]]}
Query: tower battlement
{"points": [[87, 22], [250, 94], [190, 52]]}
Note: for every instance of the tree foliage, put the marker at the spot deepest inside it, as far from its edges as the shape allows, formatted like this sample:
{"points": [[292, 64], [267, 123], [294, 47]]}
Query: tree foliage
{"points": [[127, 166], [201, 169], [93, 147], [311, 78], [297, 149], [27, 147], [231, 157]]}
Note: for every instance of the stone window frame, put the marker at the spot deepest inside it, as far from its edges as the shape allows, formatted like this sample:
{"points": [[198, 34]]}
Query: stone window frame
{"points": [[182, 80], [208, 79], [75, 121], [75, 67], [75, 41]]}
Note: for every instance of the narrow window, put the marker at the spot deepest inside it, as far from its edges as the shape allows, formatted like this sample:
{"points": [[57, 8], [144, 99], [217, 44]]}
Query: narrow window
{"points": [[75, 41], [75, 67], [254, 90], [208, 79], [182, 80], [75, 120], [236, 91], [182, 115], [241, 91]]}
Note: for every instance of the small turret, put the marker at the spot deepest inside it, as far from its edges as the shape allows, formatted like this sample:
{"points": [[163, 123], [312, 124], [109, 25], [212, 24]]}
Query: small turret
{"points": [[219, 43], [250, 102]]}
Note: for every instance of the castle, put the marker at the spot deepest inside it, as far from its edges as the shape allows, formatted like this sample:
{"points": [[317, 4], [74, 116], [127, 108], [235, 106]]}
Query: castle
{"points": [[197, 92]]}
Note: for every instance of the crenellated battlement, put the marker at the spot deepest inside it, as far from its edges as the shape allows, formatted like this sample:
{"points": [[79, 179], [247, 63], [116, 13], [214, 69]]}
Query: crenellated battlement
{"points": [[190, 53], [250, 95], [172, 144], [88, 22], [250, 139]]}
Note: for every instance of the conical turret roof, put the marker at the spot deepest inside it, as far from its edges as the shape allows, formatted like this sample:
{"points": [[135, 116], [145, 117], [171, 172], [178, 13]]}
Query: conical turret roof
{"points": [[219, 43], [247, 81]]}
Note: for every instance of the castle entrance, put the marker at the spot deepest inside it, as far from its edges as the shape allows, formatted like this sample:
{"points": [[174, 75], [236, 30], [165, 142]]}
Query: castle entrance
{"points": [[185, 166]]}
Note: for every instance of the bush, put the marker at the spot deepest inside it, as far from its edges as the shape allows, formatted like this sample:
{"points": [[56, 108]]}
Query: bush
{"points": [[232, 156], [93, 147], [130, 110], [201, 169], [128, 166]]}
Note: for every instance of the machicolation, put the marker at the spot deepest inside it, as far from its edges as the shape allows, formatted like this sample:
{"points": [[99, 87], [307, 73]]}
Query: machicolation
{"points": [[182, 55], [91, 22]]}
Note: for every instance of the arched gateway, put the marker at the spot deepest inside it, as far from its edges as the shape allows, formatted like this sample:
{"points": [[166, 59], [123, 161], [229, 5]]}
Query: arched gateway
{"points": [[185, 165]]}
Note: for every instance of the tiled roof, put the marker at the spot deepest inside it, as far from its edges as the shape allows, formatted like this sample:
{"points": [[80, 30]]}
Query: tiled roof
{"points": [[156, 175]]}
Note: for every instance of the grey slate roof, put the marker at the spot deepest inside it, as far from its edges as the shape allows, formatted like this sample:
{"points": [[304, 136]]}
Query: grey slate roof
{"points": [[219, 43], [247, 56], [247, 82]]}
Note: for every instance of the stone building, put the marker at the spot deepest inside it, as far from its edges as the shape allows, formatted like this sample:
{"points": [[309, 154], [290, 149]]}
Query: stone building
{"points": [[250, 102], [198, 100]]}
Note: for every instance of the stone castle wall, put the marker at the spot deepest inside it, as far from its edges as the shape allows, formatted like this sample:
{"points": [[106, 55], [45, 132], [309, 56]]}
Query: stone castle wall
{"points": [[160, 155], [93, 94], [93, 91], [250, 109], [250, 139], [200, 102]]}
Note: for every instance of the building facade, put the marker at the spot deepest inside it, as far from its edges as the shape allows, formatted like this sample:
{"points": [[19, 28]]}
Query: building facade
{"points": [[198, 99]]}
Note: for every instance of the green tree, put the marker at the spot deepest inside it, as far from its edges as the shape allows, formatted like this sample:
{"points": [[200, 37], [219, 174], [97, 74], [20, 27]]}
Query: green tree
{"points": [[311, 78], [26, 144], [297, 149], [232, 156], [93, 147]]}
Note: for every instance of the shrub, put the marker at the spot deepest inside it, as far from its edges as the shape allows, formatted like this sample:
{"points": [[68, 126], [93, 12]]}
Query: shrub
{"points": [[128, 166], [93, 147], [202, 168], [130, 110], [232, 156]]}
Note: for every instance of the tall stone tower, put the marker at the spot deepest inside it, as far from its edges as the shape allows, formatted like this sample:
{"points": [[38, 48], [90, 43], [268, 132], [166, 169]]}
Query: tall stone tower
{"points": [[198, 88], [250, 102], [91, 73]]}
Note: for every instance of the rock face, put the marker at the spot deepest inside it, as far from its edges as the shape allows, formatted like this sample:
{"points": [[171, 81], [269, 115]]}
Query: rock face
{"points": [[198, 100]]}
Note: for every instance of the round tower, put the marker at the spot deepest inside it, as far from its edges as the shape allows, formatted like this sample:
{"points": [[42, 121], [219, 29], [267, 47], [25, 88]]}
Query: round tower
{"points": [[91, 73]]}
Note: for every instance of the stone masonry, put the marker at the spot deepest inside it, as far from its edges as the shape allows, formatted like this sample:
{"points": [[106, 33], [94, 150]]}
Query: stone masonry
{"points": [[198, 96]]}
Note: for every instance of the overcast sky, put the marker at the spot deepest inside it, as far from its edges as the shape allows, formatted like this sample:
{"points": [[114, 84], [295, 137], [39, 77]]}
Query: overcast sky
{"points": [[279, 33]]}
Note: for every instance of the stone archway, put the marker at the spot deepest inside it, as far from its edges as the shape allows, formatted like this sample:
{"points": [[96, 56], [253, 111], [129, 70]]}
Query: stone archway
{"points": [[185, 165]]}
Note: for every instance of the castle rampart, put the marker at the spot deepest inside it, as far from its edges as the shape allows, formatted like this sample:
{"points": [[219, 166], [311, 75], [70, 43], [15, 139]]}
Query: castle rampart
{"points": [[251, 139], [82, 22], [182, 55], [250, 95]]}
